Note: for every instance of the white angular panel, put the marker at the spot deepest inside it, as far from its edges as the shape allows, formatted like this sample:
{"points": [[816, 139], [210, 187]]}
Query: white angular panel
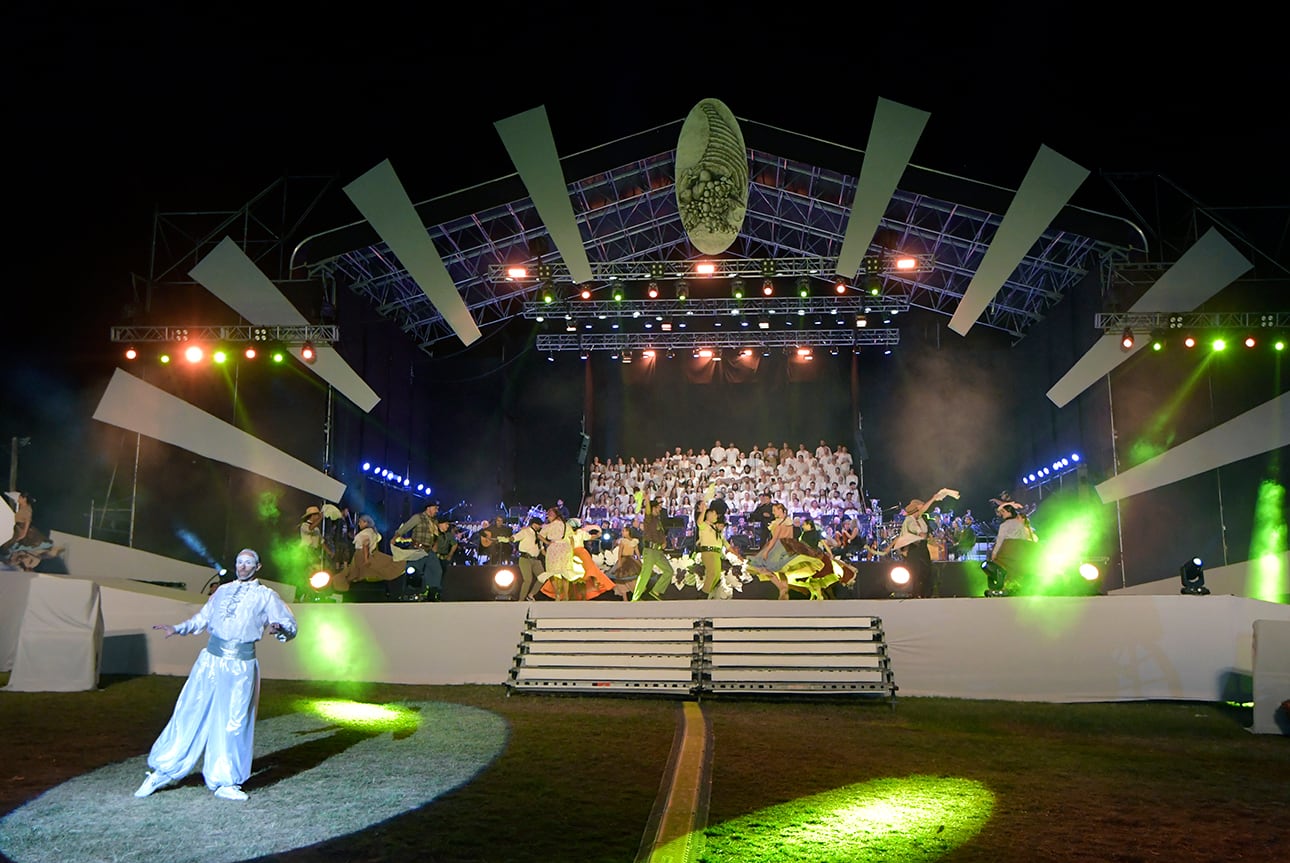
{"points": [[1258, 430], [1048, 185], [235, 279], [383, 201], [1211, 264], [896, 130], [138, 406], [531, 145]]}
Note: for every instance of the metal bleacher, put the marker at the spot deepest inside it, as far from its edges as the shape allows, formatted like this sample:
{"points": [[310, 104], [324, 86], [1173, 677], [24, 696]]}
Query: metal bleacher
{"points": [[690, 657]]}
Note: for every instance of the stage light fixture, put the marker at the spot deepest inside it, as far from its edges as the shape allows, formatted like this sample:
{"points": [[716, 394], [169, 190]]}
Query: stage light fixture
{"points": [[652, 291], [307, 352], [995, 578], [279, 357], [705, 268], [1089, 572], [657, 270], [194, 354], [249, 353], [767, 269], [1189, 342], [164, 359], [840, 288], [1249, 341], [544, 272], [803, 287], [1279, 345], [582, 355], [1126, 339], [902, 581], [682, 290], [763, 323], [737, 289], [618, 295], [1192, 574], [767, 288], [862, 321], [550, 358], [906, 262], [1219, 344], [131, 353], [666, 326], [585, 293], [872, 264], [320, 579], [873, 286], [548, 293], [259, 334], [503, 584], [517, 272], [1175, 322]]}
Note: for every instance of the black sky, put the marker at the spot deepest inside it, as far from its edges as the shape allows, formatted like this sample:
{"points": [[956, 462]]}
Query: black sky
{"points": [[123, 109]]}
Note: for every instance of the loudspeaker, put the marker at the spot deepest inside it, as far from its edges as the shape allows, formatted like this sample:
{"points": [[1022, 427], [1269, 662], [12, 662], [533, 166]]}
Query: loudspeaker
{"points": [[582, 450]]}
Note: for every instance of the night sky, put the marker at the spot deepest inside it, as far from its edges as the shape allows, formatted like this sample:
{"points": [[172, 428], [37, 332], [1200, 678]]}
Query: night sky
{"points": [[117, 112]]}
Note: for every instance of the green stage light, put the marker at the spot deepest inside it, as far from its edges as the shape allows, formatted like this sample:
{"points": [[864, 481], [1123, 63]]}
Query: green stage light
{"points": [[164, 359], [1279, 345], [1219, 344], [219, 357], [278, 356]]}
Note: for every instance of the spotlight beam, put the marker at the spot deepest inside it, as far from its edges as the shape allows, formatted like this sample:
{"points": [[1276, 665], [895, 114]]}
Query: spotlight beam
{"points": [[137, 406], [1258, 430]]}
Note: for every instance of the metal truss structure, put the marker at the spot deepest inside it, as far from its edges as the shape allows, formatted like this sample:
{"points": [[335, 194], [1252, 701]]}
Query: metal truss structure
{"points": [[717, 340], [629, 219], [1146, 321], [717, 268], [849, 305], [294, 335]]}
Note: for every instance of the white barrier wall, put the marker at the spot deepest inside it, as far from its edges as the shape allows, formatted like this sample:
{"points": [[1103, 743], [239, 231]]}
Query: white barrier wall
{"points": [[1057, 649]]}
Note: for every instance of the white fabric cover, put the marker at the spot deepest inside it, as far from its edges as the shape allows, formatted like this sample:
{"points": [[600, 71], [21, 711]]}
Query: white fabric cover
{"points": [[60, 641], [1271, 676]]}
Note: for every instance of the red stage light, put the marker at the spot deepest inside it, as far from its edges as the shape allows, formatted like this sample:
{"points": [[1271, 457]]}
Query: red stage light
{"points": [[249, 353], [131, 353], [1189, 342], [906, 263], [307, 353], [194, 354]]}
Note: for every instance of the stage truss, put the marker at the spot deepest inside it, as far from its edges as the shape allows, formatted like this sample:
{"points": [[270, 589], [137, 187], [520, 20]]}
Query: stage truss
{"points": [[629, 220]]}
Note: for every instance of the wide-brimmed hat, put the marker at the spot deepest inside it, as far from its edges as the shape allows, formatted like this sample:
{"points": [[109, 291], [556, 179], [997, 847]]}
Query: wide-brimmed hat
{"points": [[310, 511]]}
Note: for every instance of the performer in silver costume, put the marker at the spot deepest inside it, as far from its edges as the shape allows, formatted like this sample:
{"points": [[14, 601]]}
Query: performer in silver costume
{"points": [[215, 713]]}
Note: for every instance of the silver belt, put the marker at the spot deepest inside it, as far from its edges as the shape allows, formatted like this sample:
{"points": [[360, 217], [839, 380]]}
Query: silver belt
{"points": [[230, 649]]}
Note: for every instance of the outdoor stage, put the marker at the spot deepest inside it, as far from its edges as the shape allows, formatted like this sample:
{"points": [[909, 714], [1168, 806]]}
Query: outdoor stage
{"points": [[1053, 649]]}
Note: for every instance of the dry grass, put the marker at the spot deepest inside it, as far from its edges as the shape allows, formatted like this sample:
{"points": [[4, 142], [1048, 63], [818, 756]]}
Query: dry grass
{"points": [[578, 776]]}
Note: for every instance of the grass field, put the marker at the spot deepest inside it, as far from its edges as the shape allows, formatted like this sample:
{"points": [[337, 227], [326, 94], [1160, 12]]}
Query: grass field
{"points": [[576, 778]]}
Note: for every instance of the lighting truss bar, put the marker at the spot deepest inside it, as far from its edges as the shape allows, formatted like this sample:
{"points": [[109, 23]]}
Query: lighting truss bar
{"points": [[1144, 321], [722, 269], [715, 308], [295, 335], [688, 340]]}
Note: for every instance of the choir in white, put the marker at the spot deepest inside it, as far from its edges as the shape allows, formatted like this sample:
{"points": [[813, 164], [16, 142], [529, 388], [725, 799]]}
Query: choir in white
{"points": [[820, 483]]}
